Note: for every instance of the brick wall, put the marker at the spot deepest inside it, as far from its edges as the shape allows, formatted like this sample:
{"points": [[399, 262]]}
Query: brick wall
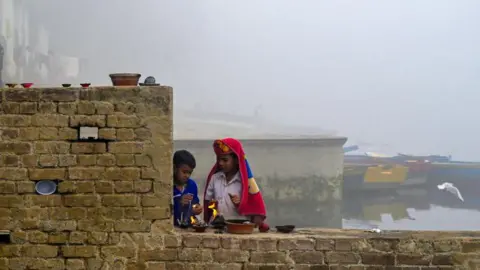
{"points": [[108, 189], [317, 250]]}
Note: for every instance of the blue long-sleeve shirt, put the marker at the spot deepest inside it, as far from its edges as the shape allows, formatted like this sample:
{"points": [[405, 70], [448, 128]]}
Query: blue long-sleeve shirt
{"points": [[178, 208]]}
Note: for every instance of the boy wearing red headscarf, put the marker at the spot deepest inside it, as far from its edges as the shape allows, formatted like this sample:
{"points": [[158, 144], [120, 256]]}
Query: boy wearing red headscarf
{"points": [[232, 185]]}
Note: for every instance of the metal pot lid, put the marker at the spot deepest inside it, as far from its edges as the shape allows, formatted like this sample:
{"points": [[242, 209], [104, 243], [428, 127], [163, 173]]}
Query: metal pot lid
{"points": [[45, 187]]}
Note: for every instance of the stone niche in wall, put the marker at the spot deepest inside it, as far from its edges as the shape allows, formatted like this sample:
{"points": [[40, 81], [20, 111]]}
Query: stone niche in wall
{"points": [[107, 152]]}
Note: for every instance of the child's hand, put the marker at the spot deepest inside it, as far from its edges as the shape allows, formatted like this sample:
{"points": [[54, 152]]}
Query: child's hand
{"points": [[197, 209], [186, 199], [235, 199]]}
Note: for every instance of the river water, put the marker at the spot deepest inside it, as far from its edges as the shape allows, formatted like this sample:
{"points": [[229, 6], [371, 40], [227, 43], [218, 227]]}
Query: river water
{"points": [[416, 210], [435, 218]]}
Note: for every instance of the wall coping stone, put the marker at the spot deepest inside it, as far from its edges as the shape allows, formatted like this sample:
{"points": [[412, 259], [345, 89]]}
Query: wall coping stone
{"points": [[343, 233]]}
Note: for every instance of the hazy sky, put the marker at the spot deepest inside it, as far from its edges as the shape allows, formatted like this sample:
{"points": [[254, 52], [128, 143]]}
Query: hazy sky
{"points": [[403, 73]]}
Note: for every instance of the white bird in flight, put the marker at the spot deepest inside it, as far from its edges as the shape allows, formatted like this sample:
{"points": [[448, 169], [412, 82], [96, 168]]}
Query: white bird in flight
{"points": [[452, 189]]}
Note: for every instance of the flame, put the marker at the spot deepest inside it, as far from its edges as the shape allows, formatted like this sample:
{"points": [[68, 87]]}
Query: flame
{"points": [[213, 205], [193, 220]]}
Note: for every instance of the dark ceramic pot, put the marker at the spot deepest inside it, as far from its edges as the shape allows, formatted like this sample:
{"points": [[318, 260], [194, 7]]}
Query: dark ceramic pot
{"points": [[285, 228], [125, 79], [199, 228]]}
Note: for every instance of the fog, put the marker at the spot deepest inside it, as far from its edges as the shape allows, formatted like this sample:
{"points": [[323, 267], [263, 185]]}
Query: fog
{"points": [[397, 74]]}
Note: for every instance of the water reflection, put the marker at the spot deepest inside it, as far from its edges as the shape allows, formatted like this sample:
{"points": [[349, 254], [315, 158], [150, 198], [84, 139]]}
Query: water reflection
{"points": [[424, 208], [419, 208]]}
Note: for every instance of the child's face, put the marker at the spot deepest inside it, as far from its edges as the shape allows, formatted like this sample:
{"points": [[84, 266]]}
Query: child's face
{"points": [[227, 163], [182, 173]]}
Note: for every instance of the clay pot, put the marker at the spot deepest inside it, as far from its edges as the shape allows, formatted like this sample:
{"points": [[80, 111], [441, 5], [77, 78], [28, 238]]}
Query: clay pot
{"points": [[11, 85], [125, 79], [238, 226], [85, 85], [66, 84]]}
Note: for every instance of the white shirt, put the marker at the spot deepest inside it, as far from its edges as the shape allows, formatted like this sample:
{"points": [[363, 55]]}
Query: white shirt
{"points": [[219, 189]]}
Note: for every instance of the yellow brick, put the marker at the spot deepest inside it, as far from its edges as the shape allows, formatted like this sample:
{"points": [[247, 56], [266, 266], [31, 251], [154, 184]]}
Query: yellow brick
{"points": [[52, 147], [47, 107], [15, 120], [119, 200], [28, 134], [42, 251], [125, 134], [86, 107], [11, 107], [87, 120], [123, 121], [67, 133], [125, 160], [125, 107], [126, 147], [106, 160], [13, 173], [88, 147], [85, 173], [86, 160], [123, 186], [107, 133], [129, 173], [47, 174], [48, 160], [104, 107], [49, 120], [80, 200], [67, 108], [29, 160], [67, 160], [28, 108]]}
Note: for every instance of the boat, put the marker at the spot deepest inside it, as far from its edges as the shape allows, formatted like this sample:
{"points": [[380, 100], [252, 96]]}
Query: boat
{"points": [[376, 171]]}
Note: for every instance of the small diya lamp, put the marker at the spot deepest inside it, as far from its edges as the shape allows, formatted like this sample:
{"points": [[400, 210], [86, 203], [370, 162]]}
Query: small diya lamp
{"points": [[11, 85], [85, 85], [27, 85], [198, 225], [183, 224]]}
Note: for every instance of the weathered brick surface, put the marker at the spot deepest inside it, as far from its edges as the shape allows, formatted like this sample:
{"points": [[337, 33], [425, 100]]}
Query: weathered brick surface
{"points": [[327, 249], [96, 219]]}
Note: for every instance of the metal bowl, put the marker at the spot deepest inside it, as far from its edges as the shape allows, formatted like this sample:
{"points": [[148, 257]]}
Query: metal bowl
{"points": [[45, 187]]}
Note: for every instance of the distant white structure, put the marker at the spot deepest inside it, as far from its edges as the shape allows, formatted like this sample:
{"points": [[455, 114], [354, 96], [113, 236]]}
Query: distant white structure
{"points": [[208, 125]]}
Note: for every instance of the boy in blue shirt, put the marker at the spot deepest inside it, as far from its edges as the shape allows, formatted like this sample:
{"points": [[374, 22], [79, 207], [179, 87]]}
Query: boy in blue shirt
{"points": [[185, 190]]}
